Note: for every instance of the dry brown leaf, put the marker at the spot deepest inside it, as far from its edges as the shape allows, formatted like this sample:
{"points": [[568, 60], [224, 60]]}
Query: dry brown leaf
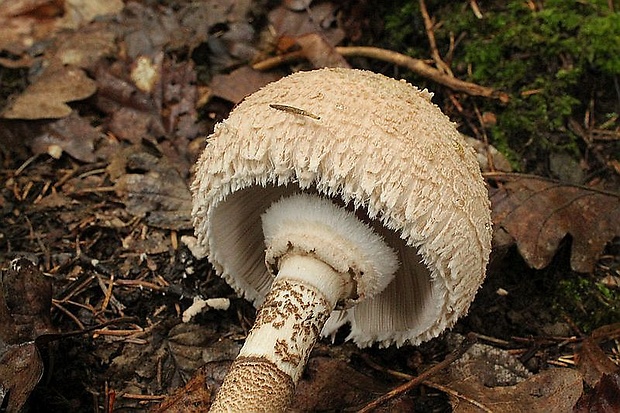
{"points": [[551, 391], [163, 106], [21, 369], [158, 193], [194, 397], [23, 22], [73, 135], [333, 385], [79, 12], [26, 22], [316, 19], [240, 83], [537, 214], [134, 115], [25, 302], [604, 397], [319, 52], [84, 48], [593, 363], [488, 379], [182, 353], [47, 97]]}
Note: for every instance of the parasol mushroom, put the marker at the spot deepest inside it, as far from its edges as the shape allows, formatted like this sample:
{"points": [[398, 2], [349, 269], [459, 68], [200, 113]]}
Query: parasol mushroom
{"points": [[338, 196]]}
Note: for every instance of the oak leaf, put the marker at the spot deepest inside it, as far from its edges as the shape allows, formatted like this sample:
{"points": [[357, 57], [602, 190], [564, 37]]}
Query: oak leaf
{"points": [[489, 379], [537, 214]]}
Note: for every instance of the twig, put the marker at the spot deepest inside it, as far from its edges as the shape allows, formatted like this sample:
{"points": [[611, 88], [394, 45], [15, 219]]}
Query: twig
{"points": [[108, 296], [458, 395], [420, 67], [277, 60], [139, 284], [474, 7], [502, 177], [415, 65], [416, 381], [428, 25], [68, 313], [143, 397], [25, 164], [109, 399], [489, 339], [118, 306], [378, 367], [485, 139]]}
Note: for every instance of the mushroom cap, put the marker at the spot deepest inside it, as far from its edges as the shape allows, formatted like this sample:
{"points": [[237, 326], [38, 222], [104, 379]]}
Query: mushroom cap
{"points": [[376, 146]]}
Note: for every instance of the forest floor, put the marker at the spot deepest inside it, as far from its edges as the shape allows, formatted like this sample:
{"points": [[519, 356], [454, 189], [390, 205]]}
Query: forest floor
{"points": [[104, 111]]}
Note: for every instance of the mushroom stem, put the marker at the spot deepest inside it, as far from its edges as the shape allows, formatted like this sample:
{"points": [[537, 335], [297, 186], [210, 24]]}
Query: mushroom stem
{"points": [[318, 253], [288, 324]]}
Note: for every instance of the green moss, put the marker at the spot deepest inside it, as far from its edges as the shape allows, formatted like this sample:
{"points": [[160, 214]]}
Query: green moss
{"points": [[588, 303], [551, 61]]}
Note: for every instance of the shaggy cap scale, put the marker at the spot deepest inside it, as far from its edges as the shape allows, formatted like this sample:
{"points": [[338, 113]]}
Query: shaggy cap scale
{"points": [[375, 145]]}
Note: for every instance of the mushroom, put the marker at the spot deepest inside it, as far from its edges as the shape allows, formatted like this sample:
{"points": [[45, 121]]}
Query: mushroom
{"points": [[338, 196]]}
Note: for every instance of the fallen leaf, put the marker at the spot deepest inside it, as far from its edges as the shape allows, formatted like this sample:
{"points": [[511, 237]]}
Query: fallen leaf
{"points": [[173, 357], [21, 369], [331, 384], [134, 114], [25, 302], [47, 97], [27, 295], [317, 19], [84, 48], [73, 135], [550, 391], [23, 23], [484, 380], [79, 12], [163, 105], [240, 83], [593, 363], [604, 398], [159, 193], [194, 397], [491, 366], [179, 97], [538, 214], [319, 52]]}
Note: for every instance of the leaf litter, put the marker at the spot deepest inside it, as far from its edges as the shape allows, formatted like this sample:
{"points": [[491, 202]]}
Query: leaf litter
{"points": [[112, 120], [538, 214]]}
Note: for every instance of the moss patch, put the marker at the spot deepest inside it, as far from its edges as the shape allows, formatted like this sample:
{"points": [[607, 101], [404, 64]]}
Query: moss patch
{"points": [[588, 303], [554, 61]]}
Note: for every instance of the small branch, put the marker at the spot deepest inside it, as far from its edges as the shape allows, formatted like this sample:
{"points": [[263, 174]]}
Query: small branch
{"points": [[415, 65], [458, 395], [420, 67], [277, 60], [416, 381], [474, 7], [428, 24]]}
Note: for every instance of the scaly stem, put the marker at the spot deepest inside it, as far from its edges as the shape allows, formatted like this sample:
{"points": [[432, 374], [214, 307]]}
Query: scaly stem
{"points": [[288, 324]]}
